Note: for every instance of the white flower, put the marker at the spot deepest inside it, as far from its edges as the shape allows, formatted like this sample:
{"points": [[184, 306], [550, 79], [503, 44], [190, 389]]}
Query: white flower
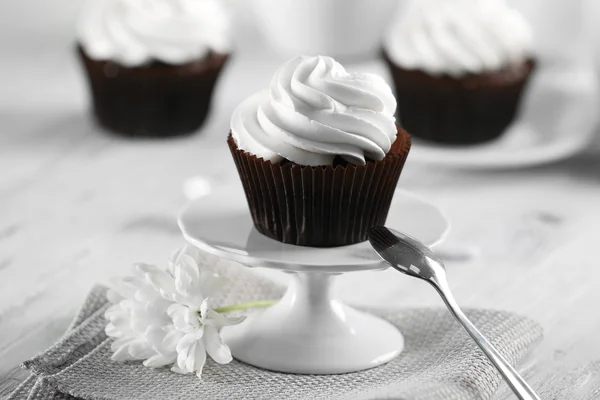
{"points": [[163, 316], [199, 336], [136, 321]]}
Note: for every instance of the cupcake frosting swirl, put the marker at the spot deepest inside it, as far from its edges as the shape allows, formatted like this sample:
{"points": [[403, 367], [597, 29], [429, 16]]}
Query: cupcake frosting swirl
{"points": [[136, 32], [313, 111], [459, 37]]}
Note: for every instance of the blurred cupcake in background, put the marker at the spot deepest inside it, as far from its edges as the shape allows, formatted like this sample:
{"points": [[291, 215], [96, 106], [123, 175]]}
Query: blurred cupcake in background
{"points": [[459, 67], [152, 64]]}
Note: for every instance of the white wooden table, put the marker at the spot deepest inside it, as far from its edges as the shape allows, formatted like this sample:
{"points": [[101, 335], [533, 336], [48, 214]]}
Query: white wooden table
{"points": [[78, 206]]}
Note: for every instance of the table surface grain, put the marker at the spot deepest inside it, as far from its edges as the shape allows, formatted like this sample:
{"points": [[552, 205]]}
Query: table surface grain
{"points": [[78, 206]]}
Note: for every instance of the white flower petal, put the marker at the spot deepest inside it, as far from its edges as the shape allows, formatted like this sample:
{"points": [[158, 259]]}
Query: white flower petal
{"points": [[192, 251], [191, 354], [200, 362], [157, 313], [175, 259], [190, 361], [171, 339], [147, 294], [179, 370], [176, 308], [188, 340], [188, 283], [215, 347], [183, 281], [234, 320], [199, 333], [182, 356], [160, 360], [111, 331], [141, 350], [160, 279], [122, 323], [183, 318], [114, 311], [176, 313], [121, 342], [172, 297], [199, 357], [121, 354], [139, 324], [177, 254], [125, 286], [127, 304], [218, 320], [154, 335], [189, 266]]}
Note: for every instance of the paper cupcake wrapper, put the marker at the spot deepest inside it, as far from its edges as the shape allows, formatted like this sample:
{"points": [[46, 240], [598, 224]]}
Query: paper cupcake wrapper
{"points": [[152, 100], [467, 110], [319, 206]]}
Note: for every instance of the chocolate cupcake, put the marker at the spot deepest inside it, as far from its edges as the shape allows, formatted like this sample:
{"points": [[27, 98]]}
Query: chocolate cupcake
{"points": [[152, 66], [460, 68], [319, 154]]}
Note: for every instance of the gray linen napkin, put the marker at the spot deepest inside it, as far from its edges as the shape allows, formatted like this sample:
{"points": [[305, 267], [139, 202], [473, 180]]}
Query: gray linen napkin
{"points": [[439, 361]]}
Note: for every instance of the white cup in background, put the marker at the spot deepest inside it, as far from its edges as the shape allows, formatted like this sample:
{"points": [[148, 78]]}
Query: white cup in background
{"points": [[346, 29]]}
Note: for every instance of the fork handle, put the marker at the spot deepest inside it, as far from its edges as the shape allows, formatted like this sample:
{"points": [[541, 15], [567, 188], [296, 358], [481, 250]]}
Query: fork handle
{"points": [[511, 376]]}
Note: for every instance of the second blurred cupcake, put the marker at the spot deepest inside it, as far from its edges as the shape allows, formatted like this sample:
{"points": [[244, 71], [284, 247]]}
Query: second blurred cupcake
{"points": [[459, 67], [152, 64]]}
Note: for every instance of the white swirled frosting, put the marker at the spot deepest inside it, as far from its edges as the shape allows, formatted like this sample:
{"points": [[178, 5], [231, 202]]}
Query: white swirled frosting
{"points": [[313, 111], [136, 32], [459, 37]]}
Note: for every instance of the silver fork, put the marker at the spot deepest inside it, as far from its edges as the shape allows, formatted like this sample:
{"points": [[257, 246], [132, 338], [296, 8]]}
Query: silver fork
{"points": [[409, 256]]}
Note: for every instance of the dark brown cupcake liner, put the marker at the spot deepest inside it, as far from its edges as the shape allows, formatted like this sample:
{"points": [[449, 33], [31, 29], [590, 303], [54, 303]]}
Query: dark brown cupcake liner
{"points": [[467, 110], [153, 100], [323, 206]]}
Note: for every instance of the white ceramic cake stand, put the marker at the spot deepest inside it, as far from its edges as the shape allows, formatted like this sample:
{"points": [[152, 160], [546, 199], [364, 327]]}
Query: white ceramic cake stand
{"points": [[308, 331]]}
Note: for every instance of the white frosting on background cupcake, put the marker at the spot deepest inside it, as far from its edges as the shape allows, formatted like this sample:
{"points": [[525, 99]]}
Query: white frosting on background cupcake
{"points": [[459, 37], [136, 32], [315, 110]]}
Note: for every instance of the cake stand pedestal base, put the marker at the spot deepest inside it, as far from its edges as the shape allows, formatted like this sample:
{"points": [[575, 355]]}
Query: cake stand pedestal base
{"points": [[309, 332]]}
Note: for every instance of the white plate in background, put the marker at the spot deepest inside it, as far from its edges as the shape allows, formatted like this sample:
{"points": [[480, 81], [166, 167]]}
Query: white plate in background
{"points": [[557, 120]]}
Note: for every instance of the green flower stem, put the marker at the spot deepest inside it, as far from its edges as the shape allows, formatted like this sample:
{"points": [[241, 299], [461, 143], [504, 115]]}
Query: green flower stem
{"points": [[244, 306]]}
